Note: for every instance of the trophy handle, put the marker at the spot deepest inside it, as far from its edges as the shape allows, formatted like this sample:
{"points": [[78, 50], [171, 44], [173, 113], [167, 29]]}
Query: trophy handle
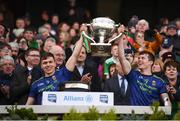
{"points": [[117, 25], [86, 24], [111, 40], [83, 32]]}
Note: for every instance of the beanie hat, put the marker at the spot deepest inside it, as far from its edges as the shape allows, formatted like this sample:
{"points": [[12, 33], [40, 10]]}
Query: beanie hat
{"points": [[171, 25], [168, 55]]}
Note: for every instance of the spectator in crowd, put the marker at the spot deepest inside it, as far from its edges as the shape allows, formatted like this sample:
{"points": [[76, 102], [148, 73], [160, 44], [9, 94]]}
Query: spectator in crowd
{"points": [[166, 46], [32, 69], [44, 32], [14, 87], [177, 21], [163, 31], [132, 24], [163, 22], [59, 55], [112, 59], [15, 50], [76, 26], [63, 39], [171, 30], [129, 54], [5, 49], [23, 45], [7, 68], [20, 26], [173, 36], [119, 86], [63, 27], [142, 25], [53, 78], [27, 19], [39, 40], [49, 28], [44, 17], [48, 43], [55, 22], [3, 32], [144, 87], [20, 23], [29, 34], [173, 83], [86, 73], [112, 70], [140, 44], [73, 32], [168, 56], [157, 68], [1, 17]]}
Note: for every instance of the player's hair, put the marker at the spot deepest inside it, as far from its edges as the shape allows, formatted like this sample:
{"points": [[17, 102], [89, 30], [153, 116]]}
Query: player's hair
{"points": [[150, 55], [46, 55]]}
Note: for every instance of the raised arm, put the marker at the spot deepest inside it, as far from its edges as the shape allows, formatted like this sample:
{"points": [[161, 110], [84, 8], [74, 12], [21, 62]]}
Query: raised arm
{"points": [[157, 42], [70, 64], [126, 66]]}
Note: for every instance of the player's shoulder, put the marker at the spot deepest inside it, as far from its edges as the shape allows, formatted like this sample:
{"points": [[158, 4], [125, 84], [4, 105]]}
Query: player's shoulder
{"points": [[38, 81], [158, 78]]}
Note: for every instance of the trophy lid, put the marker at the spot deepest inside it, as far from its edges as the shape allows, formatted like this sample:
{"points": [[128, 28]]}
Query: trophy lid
{"points": [[103, 22]]}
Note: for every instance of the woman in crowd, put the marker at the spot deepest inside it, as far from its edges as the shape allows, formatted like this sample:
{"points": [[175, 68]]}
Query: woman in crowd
{"points": [[173, 83], [157, 67]]}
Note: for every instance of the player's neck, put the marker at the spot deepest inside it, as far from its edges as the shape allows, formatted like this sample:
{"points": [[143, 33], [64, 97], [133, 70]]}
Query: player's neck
{"points": [[115, 57], [146, 72], [49, 74]]}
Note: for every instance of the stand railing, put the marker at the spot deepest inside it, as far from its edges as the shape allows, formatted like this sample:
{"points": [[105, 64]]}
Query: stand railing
{"points": [[55, 109]]}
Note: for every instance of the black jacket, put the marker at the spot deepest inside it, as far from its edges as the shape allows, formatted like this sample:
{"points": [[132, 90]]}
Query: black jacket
{"points": [[112, 85], [88, 68], [19, 88]]}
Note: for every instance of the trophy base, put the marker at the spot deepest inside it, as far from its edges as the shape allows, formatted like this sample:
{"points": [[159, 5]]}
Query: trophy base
{"points": [[76, 86], [100, 49]]}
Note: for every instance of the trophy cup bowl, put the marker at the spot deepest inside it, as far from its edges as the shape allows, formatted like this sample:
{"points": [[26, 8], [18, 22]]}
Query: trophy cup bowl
{"points": [[102, 29]]}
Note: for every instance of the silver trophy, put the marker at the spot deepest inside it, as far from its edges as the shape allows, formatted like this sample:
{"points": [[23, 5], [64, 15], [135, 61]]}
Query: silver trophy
{"points": [[102, 29]]}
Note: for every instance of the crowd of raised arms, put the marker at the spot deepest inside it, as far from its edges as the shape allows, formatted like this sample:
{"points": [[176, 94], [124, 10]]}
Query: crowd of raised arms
{"points": [[143, 67]]}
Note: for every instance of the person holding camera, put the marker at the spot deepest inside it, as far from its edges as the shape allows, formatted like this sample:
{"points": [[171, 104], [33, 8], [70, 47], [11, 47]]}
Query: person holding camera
{"points": [[173, 83]]}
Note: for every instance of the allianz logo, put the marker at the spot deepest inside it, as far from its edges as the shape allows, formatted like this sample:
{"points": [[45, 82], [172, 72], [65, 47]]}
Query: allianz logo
{"points": [[73, 98], [87, 98]]}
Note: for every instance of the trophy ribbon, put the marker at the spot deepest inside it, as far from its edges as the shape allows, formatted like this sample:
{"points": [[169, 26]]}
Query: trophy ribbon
{"points": [[86, 42]]}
